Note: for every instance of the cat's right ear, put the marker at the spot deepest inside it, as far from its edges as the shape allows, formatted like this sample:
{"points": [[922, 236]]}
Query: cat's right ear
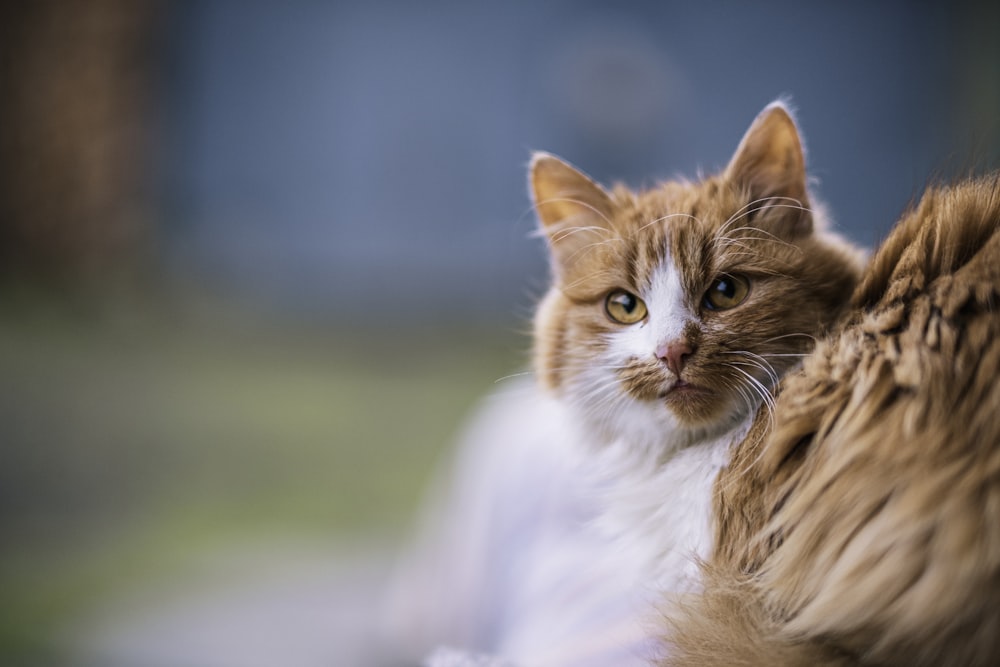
{"points": [[573, 210], [770, 165]]}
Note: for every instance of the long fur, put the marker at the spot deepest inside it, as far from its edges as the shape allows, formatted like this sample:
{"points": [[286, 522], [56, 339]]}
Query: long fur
{"points": [[864, 528]]}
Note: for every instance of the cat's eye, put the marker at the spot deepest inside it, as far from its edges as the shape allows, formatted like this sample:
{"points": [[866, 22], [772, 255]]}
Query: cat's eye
{"points": [[726, 292], [624, 307]]}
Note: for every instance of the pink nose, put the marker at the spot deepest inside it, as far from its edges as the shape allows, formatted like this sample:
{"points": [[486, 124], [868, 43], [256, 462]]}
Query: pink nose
{"points": [[675, 354]]}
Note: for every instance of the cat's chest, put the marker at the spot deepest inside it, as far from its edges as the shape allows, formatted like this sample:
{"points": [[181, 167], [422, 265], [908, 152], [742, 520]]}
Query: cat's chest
{"points": [[662, 516]]}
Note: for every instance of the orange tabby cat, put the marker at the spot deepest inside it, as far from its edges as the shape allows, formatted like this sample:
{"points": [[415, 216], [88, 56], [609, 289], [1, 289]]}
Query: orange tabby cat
{"points": [[673, 313], [865, 528]]}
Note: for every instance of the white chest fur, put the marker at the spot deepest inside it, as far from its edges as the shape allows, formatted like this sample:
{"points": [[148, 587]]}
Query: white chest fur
{"points": [[555, 553], [599, 589], [660, 512]]}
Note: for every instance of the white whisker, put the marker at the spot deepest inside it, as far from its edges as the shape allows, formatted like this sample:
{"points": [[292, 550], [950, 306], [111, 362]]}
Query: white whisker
{"points": [[667, 217], [760, 205], [562, 234], [791, 335], [513, 376]]}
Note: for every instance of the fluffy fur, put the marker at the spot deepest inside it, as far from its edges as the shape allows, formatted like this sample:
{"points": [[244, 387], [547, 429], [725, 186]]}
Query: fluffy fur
{"points": [[864, 528]]}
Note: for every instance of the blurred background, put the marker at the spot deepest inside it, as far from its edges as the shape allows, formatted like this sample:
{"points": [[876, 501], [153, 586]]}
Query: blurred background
{"points": [[258, 260]]}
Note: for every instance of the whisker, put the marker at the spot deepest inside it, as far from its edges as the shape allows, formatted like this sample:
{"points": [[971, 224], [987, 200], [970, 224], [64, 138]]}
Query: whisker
{"points": [[761, 362], [741, 390], [562, 234], [727, 234], [513, 376], [786, 354], [760, 204], [667, 217], [757, 386], [770, 373], [770, 237], [791, 335]]}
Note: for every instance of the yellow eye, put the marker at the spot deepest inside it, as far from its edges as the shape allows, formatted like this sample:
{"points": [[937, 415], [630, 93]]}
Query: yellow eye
{"points": [[726, 292], [624, 307]]}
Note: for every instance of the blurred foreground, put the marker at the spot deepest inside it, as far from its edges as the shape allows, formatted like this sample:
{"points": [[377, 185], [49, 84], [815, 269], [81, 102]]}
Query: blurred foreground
{"points": [[183, 486]]}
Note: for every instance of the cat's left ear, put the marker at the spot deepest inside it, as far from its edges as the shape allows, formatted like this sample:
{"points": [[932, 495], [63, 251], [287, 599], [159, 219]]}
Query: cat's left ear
{"points": [[769, 163]]}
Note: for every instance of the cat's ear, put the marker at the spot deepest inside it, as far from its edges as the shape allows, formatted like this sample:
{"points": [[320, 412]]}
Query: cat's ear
{"points": [[770, 165], [573, 210]]}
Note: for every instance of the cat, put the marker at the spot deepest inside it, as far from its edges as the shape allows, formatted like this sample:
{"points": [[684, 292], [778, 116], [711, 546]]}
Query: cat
{"points": [[863, 526], [674, 312], [672, 315]]}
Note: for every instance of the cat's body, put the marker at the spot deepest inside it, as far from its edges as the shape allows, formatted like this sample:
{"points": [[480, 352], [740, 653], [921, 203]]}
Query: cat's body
{"points": [[511, 561], [865, 527], [672, 314]]}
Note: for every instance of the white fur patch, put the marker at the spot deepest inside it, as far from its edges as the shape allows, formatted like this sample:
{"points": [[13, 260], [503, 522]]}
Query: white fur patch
{"points": [[660, 511], [668, 314]]}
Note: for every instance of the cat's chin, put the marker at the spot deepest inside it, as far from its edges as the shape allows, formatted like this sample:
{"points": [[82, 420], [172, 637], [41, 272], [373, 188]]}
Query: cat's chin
{"points": [[692, 405]]}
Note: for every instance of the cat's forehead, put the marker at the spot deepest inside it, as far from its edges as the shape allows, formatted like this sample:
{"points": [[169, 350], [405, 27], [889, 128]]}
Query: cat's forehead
{"points": [[703, 206], [677, 219]]}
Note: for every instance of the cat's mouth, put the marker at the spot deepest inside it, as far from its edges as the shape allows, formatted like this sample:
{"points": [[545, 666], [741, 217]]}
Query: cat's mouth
{"points": [[691, 403], [681, 388]]}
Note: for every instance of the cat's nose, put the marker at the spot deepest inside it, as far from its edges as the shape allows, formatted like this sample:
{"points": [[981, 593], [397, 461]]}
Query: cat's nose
{"points": [[675, 354]]}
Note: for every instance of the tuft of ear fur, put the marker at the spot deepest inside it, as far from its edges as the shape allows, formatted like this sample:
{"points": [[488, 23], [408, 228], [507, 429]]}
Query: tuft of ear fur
{"points": [[573, 210], [769, 163]]}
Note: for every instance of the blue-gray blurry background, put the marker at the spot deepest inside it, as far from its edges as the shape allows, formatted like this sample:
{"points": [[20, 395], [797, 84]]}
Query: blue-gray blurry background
{"points": [[258, 259], [369, 156]]}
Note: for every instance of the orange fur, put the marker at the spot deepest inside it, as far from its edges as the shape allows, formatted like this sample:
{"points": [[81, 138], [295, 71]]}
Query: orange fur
{"points": [[865, 527]]}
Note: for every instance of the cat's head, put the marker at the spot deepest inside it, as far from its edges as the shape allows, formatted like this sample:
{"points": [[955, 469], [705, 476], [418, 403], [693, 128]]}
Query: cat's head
{"points": [[675, 310]]}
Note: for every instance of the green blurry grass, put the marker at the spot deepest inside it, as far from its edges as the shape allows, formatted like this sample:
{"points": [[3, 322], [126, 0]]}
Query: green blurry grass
{"points": [[132, 442]]}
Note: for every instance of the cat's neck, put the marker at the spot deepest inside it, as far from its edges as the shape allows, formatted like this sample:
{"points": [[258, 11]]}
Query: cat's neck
{"points": [[646, 439], [657, 499]]}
